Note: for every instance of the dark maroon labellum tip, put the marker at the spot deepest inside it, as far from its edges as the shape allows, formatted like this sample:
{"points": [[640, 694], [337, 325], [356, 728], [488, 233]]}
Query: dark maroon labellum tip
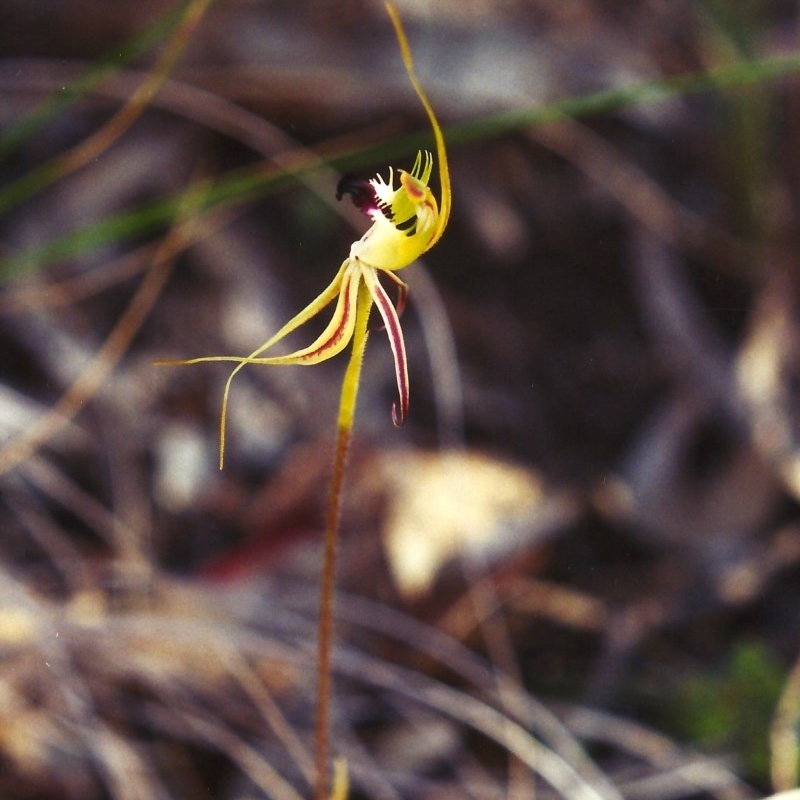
{"points": [[361, 192]]}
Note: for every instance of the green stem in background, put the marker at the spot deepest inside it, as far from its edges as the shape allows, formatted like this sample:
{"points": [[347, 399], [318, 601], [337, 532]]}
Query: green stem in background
{"points": [[246, 185], [741, 73], [347, 410]]}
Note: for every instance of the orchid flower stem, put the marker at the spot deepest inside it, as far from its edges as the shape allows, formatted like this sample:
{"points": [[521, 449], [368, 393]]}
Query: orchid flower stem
{"points": [[407, 220], [347, 410]]}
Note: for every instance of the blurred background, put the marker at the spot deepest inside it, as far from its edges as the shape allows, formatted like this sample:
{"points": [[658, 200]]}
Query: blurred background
{"points": [[574, 572]]}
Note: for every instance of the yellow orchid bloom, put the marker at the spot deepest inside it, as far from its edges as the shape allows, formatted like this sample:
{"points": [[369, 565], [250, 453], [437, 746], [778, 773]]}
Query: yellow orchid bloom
{"points": [[407, 221]]}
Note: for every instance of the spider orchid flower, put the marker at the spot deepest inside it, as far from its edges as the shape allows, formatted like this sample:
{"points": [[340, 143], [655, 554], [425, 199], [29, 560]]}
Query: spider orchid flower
{"points": [[407, 220]]}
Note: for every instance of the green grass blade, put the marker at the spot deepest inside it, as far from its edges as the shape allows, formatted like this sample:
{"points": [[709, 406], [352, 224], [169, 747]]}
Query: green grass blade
{"points": [[241, 187]]}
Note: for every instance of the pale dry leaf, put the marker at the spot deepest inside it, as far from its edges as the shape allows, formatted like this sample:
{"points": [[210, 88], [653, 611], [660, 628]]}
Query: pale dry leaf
{"points": [[766, 382], [442, 506]]}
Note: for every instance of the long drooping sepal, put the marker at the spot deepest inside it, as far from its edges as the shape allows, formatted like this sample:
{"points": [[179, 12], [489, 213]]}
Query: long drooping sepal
{"points": [[441, 153], [395, 333], [309, 312], [331, 293], [347, 410], [329, 343], [332, 340]]}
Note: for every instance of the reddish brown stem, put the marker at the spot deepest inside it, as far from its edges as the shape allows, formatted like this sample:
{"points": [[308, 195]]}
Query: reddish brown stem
{"points": [[325, 625], [347, 409]]}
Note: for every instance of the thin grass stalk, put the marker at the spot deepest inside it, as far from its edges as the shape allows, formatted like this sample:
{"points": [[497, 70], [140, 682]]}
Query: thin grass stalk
{"points": [[92, 147]]}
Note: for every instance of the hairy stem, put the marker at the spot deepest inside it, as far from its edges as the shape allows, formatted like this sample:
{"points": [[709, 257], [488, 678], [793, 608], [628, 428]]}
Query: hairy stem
{"points": [[347, 409]]}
